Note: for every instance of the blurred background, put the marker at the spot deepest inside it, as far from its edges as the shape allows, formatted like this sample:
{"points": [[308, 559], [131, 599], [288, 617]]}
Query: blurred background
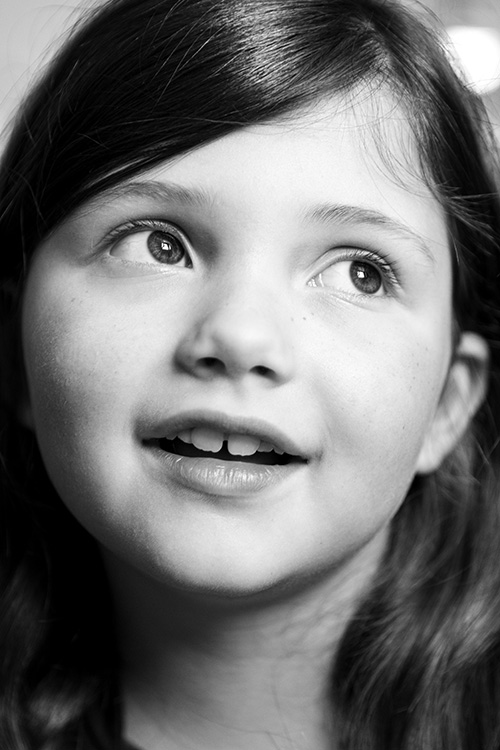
{"points": [[473, 30], [29, 29]]}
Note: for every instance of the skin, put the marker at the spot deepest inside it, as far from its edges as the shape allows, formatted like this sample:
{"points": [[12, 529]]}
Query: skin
{"points": [[217, 596]]}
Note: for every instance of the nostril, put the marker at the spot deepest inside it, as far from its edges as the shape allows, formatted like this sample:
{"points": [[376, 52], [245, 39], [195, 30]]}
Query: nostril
{"points": [[216, 366], [212, 364], [262, 370]]}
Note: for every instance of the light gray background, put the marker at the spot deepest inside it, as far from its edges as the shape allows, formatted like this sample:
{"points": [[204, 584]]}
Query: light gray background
{"points": [[29, 29]]}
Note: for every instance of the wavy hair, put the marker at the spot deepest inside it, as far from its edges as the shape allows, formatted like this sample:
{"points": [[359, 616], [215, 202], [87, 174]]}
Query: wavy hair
{"points": [[141, 81]]}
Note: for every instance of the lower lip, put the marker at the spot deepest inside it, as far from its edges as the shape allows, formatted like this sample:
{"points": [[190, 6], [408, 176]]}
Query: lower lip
{"points": [[222, 478]]}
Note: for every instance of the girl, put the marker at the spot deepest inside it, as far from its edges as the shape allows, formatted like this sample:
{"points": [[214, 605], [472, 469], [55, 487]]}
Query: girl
{"points": [[250, 464]]}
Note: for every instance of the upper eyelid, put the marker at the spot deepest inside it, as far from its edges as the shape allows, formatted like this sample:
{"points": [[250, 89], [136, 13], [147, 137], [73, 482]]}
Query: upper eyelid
{"points": [[360, 248], [145, 224], [353, 252]]}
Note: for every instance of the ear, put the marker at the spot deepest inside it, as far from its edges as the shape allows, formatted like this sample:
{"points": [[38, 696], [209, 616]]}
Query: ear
{"points": [[462, 395]]}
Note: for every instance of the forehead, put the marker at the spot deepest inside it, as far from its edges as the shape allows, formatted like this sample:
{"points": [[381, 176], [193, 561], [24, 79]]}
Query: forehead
{"points": [[358, 152], [367, 129]]}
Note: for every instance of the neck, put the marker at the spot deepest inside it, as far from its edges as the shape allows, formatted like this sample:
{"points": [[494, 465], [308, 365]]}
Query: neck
{"points": [[205, 673]]}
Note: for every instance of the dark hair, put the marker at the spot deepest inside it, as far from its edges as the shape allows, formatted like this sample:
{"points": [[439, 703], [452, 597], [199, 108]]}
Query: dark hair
{"points": [[138, 82]]}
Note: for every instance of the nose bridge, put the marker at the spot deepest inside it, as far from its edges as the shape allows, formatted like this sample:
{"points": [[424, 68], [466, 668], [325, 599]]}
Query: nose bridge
{"points": [[239, 328]]}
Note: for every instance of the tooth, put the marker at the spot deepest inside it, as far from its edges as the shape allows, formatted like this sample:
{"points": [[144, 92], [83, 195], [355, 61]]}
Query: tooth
{"points": [[265, 447], [207, 439], [242, 445], [185, 436]]}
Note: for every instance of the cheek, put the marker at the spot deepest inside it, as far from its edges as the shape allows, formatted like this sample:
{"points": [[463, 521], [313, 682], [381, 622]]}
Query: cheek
{"points": [[66, 369], [83, 346], [79, 370], [85, 366], [380, 386]]}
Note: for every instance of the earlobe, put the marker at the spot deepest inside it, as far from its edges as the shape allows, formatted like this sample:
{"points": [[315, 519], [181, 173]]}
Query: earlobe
{"points": [[462, 395]]}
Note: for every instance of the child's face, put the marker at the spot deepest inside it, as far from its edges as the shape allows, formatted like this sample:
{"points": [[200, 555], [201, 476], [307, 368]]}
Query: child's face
{"points": [[277, 282]]}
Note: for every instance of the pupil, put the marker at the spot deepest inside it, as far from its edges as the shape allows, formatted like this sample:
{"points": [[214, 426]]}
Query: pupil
{"points": [[365, 277], [165, 248]]}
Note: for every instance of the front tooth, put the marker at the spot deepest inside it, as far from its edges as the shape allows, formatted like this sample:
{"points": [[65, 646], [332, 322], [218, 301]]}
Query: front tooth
{"points": [[265, 447], [185, 436], [242, 445], [207, 439]]}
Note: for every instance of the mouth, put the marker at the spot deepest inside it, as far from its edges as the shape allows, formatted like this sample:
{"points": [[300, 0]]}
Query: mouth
{"points": [[212, 435], [242, 448], [224, 456]]}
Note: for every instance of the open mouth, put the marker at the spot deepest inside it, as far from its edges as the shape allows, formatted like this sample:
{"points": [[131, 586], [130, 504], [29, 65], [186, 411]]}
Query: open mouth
{"points": [[263, 454]]}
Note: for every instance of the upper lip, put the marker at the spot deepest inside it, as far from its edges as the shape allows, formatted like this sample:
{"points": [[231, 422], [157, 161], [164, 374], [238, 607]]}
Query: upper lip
{"points": [[258, 428]]}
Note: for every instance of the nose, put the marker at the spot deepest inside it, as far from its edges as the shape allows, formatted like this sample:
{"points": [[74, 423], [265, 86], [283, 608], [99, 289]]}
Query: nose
{"points": [[235, 340]]}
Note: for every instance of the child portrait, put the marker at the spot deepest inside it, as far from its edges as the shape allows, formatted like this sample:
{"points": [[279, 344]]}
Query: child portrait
{"points": [[250, 386]]}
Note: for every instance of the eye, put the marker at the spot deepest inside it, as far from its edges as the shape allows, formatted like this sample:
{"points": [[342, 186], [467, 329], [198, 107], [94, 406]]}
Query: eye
{"points": [[150, 241], [365, 277], [165, 247], [356, 276]]}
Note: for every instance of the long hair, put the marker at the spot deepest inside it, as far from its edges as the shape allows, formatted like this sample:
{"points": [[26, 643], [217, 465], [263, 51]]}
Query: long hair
{"points": [[141, 81]]}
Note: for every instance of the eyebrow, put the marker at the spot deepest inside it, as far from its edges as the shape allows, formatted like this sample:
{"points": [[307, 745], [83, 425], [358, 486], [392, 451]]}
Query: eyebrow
{"points": [[352, 216], [160, 191]]}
